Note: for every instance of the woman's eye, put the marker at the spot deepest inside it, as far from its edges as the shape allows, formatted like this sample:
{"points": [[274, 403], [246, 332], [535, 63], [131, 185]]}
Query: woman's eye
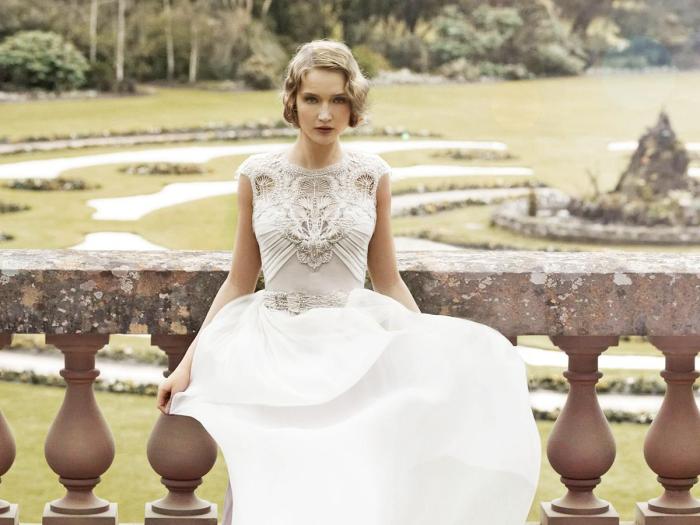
{"points": [[340, 99], [310, 99]]}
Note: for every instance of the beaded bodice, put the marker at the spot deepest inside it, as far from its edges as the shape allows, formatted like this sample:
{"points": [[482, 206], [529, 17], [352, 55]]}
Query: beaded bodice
{"points": [[313, 226]]}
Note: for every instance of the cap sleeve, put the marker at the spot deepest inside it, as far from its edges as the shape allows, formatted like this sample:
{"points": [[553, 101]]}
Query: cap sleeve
{"points": [[383, 168], [245, 168]]}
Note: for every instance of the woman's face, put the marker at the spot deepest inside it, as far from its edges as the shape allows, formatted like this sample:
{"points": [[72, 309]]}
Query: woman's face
{"points": [[323, 108]]}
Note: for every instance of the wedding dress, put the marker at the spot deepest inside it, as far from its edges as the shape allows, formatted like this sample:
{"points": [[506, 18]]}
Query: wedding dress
{"points": [[334, 404]]}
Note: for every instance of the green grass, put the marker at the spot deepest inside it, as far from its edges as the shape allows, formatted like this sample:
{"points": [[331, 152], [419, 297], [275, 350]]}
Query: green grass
{"points": [[169, 107], [558, 127], [131, 482]]}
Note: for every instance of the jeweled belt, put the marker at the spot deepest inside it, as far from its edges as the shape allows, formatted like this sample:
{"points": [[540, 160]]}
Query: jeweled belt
{"points": [[297, 302]]}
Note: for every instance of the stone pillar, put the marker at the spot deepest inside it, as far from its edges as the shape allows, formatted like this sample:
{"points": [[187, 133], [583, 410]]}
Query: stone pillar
{"points": [[581, 447], [672, 446], [182, 452], [9, 513], [79, 446]]}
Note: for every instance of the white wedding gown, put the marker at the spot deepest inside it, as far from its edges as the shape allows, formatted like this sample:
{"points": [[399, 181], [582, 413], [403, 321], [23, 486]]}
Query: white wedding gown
{"points": [[336, 405]]}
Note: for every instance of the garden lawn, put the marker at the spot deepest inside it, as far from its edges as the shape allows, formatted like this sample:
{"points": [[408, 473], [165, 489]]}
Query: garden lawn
{"points": [[559, 127]]}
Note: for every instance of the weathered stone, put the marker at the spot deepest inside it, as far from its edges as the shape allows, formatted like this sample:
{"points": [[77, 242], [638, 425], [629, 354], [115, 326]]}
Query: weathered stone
{"points": [[584, 293]]}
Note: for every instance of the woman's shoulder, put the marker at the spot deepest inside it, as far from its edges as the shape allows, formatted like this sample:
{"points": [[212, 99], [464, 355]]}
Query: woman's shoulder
{"points": [[373, 161], [256, 163]]}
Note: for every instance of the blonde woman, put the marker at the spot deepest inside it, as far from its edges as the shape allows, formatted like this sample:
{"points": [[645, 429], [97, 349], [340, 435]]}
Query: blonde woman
{"points": [[334, 404]]}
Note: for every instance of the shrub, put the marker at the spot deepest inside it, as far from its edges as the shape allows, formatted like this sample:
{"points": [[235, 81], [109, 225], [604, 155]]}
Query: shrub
{"points": [[38, 59], [57, 184], [460, 69], [370, 61], [553, 59], [507, 71], [640, 53], [266, 59], [259, 72], [482, 35], [408, 51], [163, 168]]}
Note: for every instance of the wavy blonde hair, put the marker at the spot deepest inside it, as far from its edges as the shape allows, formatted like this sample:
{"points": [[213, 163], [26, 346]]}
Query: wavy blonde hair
{"points": [[325, 54]]}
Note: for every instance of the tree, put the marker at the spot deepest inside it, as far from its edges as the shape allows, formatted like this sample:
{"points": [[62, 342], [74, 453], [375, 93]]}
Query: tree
{"points": [[194, 41], [93, 30], [121, 35], [169, 46]]}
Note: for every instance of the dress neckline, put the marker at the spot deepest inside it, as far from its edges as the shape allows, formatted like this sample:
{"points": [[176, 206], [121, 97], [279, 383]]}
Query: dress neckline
{"points": [[313, 171]]}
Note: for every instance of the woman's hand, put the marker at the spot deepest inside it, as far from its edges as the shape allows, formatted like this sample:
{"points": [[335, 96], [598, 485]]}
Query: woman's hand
{"points": [[176, 382]]}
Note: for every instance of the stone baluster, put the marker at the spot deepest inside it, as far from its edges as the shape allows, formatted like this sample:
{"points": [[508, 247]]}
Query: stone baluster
{"points": [[79, 446], [9, 513], [581, 447], [672, 446], [182, 452]]}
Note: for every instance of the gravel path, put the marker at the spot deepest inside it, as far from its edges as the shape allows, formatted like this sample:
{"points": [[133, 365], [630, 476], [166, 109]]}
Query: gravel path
{"points": [[50, 168]]}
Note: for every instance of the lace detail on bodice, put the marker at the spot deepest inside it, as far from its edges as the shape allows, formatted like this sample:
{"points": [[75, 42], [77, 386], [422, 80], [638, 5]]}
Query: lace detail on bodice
{"points": [[315, 214]]}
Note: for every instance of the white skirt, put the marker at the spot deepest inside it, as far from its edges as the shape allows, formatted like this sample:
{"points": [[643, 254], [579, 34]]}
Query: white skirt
{"points": [[368, 414]]}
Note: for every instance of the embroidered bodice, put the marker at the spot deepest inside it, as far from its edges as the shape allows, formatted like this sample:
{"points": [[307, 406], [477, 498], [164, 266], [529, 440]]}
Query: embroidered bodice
{"points": [[313, 226]]}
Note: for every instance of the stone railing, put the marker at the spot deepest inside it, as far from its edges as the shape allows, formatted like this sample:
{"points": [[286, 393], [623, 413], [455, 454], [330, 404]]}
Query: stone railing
{"points": [[583, 301]]}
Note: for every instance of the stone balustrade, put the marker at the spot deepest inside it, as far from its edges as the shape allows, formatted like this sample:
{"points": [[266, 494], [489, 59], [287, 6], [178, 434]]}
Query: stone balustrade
{"points": [[582, 301]]}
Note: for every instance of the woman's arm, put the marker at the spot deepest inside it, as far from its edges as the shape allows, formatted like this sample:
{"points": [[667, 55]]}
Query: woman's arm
{"points": [[381, 254], [245, 265]]}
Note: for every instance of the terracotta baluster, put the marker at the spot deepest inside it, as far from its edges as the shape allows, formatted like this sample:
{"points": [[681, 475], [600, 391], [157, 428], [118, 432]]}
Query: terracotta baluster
{"points": [[182, 452], [79, 446], [581, 447], [9, 513], [671, 446]]}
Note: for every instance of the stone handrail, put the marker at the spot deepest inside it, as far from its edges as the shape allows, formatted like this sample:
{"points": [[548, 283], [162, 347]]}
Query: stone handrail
{"points": [[583, 301]]}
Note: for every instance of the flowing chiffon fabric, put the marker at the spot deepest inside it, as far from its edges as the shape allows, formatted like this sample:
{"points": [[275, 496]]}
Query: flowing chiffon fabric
{"points": [[367, 413]]}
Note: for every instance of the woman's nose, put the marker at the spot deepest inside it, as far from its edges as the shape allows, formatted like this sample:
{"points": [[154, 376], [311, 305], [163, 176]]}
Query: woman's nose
{"points": [[324, 113]]}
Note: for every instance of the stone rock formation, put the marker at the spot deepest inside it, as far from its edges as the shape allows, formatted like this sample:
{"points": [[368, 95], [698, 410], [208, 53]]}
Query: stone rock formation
{"points": [[655, 189]]}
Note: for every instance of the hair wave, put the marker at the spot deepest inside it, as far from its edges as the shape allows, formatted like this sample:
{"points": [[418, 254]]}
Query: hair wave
{"points": [[325, 54]]}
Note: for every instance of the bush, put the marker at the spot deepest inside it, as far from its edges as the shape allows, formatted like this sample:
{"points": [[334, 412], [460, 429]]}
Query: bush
{"points": [[38, 59], [57, 184], [482, 35], [370, 61], [460, 69], [259, 72], [502, 42], [507, 71], [408, 51], [640, 53], [266, 59], [553, 59]]}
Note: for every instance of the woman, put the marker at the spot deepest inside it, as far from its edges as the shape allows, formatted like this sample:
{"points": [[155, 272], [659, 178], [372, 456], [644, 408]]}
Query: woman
{"points": [[332, 403]]}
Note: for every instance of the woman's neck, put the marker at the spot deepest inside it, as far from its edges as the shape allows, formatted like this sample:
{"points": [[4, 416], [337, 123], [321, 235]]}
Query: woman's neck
{"points": [[313, 156]]}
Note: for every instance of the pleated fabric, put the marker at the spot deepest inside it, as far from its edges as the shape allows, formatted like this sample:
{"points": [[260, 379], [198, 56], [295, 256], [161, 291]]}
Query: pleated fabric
{"points": [[366, 413]]}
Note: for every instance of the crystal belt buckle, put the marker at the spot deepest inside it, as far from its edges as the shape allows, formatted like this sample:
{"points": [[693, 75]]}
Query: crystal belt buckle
{"points": [[294, 302]]}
